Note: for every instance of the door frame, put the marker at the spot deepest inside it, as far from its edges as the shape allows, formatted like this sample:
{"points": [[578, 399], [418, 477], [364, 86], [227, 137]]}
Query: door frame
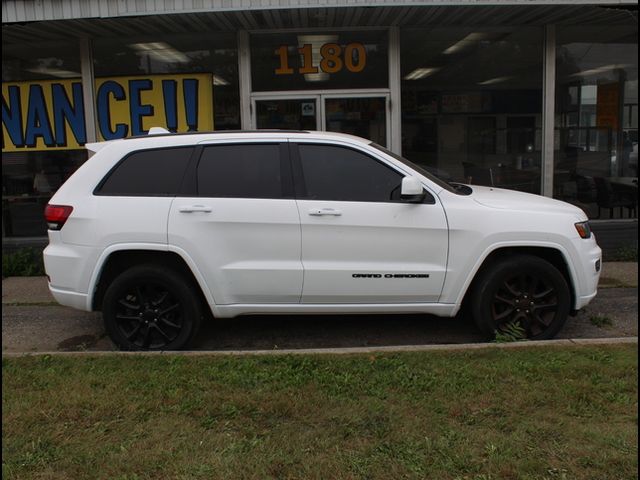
{"points": [[320, 96]]}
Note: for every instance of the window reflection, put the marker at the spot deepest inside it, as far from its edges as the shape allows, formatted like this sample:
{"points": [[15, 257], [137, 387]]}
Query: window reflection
{"points": [[197, 53], [472, 104], [596, 151]]}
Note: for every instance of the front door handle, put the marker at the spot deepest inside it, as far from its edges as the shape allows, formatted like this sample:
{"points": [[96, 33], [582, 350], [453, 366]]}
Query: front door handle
{"points": [[195, 208], [317, 212]]}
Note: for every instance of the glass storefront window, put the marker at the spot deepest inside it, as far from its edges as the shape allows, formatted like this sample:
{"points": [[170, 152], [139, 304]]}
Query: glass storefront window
{"points": [[28, 181], [29, 178], [596, 141], [213, 54], [314, 61], [472, 104], [38, 61]]}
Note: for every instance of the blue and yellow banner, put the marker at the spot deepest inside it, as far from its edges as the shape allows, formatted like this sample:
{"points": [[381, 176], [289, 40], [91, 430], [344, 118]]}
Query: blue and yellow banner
{"points": [[50, 114]]}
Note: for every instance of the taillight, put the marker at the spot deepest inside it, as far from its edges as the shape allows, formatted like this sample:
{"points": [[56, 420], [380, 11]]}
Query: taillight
{"points": [[56, 215]]}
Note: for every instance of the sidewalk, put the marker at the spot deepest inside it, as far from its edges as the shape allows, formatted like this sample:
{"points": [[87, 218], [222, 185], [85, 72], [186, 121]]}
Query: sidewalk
{"points": [[34, 290]]}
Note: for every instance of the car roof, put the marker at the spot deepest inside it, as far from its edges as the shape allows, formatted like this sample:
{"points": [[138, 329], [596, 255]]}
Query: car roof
{"points": [[200, 137]]}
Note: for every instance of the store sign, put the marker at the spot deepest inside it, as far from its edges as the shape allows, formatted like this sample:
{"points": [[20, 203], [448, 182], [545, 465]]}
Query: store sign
{"points": [[323, 58], [50, 114]]}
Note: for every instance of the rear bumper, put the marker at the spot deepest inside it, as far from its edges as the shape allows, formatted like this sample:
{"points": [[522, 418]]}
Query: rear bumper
{"points": [[69, 268], [70, 299]]}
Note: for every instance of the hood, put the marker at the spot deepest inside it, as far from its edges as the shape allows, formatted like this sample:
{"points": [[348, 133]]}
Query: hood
{"points": [[513, 200]]}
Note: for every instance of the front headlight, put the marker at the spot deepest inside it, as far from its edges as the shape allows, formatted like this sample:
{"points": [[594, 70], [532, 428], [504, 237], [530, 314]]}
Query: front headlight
{"points": [[584, 229]]}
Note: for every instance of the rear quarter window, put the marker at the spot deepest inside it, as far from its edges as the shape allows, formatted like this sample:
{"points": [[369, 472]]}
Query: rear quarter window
{"points": [[156, 172]]}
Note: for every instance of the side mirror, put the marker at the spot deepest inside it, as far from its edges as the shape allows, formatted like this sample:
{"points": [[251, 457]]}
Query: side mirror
{"points": [[411, 190]]}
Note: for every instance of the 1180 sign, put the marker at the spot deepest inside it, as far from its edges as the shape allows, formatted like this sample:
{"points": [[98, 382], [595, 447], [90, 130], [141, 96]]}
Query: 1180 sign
{"points": [[333, 58]]}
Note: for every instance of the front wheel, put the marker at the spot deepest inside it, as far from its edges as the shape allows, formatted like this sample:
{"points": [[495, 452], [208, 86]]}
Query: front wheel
{"points": [[149, 307], [522, 290]]}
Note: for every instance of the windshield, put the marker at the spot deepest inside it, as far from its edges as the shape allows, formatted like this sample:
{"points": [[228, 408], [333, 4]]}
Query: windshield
{"points": [[418, 168]]}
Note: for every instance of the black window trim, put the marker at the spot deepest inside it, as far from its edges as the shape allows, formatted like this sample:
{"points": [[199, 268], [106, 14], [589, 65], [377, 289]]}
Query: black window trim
{"points": [[301, 187], [286, 177], [105, 178]]}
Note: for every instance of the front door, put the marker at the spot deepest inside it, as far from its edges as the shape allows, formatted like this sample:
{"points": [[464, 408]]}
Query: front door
{"points": [[360, 243], [362, 114]]}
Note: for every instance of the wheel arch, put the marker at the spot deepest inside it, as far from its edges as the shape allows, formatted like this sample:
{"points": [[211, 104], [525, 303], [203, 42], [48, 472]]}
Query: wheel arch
{"points": [[555, 256], [116, 260]]}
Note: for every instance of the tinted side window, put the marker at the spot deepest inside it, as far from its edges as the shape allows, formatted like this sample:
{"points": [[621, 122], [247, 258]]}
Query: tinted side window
{"points": [[337, 173], [148, 173], [247, 171]]}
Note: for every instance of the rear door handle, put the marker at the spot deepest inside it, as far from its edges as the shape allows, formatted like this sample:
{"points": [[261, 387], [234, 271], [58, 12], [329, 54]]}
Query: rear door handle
{"points": [[195, 208], [317, 212]]}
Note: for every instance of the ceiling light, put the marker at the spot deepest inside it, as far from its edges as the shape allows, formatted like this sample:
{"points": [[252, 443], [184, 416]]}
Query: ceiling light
{"points": [[419, 73], [54, 72], [161, 51], [492, 81], [218, 80], [605, 68], [467, 42]]}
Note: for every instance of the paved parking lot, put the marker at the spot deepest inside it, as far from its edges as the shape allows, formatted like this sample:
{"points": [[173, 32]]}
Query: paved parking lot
{"points": [[41, 325]]}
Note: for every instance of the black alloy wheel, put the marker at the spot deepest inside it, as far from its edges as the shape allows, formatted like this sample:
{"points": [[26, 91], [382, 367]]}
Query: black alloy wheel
{"points": [[522, 290], [151, 308], [527, 300]]}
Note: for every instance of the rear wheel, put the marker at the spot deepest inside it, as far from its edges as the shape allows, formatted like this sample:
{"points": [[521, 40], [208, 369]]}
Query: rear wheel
{"points": [[149, 307], [525, 291]]}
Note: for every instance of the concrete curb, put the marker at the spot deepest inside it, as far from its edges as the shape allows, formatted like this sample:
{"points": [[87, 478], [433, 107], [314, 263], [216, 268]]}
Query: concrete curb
{"points": [[345, 351]]}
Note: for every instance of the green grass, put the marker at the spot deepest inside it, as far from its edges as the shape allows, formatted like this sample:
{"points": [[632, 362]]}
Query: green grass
{"points": [[511, 332], [627, 253], [535, 413], [600, 321], [25, 262]]}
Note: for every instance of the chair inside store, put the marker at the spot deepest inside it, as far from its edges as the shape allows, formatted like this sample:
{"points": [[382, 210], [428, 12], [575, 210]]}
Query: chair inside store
{"points": [[611, 196]]}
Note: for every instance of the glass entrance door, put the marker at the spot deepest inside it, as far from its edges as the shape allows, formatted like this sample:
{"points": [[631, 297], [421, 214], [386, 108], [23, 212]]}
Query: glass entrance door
{"points": [[365, 117], [361, 114], [287, 113]]}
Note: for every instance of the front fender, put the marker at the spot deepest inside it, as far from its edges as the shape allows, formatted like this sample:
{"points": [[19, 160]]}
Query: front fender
{"points": [[461, 274]]}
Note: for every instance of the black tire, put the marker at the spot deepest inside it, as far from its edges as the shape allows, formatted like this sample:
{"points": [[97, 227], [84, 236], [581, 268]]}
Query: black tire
{"points": [[150, 307], [521, 289]]}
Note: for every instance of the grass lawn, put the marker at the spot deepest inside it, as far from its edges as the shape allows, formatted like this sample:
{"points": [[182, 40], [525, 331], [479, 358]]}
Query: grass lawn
{"points": [[538, 413]]}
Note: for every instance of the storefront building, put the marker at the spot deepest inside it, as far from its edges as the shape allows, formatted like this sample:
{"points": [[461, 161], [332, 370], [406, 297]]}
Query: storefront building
{"points": [[521, 94]]}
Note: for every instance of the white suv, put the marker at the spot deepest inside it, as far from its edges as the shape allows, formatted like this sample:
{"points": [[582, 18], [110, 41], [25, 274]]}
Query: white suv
{"points": [[160, 231]]}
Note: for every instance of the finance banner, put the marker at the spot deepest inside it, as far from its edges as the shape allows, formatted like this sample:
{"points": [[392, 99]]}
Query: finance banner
{"points": [[50, 114]]}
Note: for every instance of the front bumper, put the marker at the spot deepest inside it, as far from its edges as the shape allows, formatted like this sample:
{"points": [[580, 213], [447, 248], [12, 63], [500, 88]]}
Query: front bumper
{"points": [[588, 271]]}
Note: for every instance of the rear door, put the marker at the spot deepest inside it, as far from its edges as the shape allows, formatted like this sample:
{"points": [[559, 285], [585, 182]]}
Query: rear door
{"points": [[360, 243], [133, 200], [240, 224]]}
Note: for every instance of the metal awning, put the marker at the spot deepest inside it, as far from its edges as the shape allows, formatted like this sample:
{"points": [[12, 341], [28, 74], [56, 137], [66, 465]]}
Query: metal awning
{"points": [[44, 10], [434, 14]]}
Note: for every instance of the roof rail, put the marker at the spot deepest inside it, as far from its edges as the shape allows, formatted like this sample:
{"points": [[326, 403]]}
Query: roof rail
{"points": [[158, 131]]}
